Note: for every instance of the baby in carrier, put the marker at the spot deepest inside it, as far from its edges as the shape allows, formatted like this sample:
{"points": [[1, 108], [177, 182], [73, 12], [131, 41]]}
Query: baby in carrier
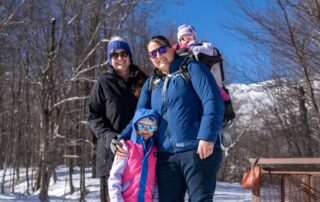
{"points": [[203, 52]]}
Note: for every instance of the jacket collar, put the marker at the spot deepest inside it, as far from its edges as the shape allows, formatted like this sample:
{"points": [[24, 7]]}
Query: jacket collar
{"points": [[174, 66]]}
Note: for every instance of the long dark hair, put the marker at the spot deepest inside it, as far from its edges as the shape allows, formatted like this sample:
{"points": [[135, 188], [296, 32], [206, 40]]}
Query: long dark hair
{"points": [[139, 77]]}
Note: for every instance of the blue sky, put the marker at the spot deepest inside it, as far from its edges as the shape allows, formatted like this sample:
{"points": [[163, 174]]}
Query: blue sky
{"points": [[210, 18], [207, 17]]}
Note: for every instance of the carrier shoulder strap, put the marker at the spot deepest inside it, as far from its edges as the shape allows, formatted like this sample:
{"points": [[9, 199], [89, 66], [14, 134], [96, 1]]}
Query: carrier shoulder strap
{"points": [[155, 75], [151, 81], [221, 66], [183, 70]]}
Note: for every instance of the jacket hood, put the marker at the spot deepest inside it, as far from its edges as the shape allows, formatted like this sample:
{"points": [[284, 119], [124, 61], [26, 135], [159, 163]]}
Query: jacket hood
{"points": [[140, 114]]}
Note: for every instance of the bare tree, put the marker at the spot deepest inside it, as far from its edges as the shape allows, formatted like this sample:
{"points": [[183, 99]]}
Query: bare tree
{"points": [[51, 53], [287, 33]]}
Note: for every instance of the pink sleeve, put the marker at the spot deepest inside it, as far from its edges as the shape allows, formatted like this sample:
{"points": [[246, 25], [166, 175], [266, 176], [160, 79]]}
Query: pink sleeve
{"points": [[224, 94]]}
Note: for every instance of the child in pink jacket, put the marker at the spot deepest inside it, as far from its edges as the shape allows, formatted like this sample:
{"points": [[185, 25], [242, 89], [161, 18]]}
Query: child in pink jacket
{"points": [[132, 178]]}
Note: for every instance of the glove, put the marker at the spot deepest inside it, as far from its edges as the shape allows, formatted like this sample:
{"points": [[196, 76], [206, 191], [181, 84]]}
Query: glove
{"points": [[114, 142], [229, 114], [113, 145]]}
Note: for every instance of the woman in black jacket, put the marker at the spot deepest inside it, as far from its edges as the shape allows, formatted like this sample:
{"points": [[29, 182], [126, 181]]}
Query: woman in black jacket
{"points": [[112, 104]]}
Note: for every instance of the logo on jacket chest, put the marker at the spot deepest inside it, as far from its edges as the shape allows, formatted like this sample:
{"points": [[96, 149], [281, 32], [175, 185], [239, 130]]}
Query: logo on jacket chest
{"points": [[180, 144]]}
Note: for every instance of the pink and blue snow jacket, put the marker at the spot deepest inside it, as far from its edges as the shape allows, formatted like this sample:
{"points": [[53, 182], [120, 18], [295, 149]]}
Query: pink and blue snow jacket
{"points": [[132, 179]]}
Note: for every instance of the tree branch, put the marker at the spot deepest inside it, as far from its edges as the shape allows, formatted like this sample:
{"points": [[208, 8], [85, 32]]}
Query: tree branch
{"points": [[68, 100]]}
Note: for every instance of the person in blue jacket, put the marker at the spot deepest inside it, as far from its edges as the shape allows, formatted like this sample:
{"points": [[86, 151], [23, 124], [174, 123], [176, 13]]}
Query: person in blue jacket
{"points": [[189, 153]]}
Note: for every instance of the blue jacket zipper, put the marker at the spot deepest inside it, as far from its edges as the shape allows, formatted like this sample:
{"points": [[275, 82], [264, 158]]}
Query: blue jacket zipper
{"points": [[167, 114]]}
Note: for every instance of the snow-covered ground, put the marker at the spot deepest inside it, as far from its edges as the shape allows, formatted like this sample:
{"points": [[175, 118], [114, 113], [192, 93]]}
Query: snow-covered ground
{"points": [[60, 190]]}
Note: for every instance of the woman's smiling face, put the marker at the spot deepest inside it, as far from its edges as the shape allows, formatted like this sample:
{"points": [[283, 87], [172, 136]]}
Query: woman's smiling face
{"points": [[120, 60], [160, 55]]}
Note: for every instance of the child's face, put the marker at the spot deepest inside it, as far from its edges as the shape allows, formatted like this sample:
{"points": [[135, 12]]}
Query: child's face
{"points": [[185, 39], [147, 131]]}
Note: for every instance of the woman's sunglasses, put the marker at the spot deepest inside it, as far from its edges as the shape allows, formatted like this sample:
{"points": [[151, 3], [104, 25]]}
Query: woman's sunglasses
{"points": [[115, 55], [162, 50], [141, 126]]}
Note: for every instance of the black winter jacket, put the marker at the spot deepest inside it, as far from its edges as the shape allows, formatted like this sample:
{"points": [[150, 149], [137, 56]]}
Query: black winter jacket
{"points": [[111, 107]]}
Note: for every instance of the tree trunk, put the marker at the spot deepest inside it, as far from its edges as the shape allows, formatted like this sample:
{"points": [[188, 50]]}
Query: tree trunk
{"points": [[70, 160], [82, 171], [47, 105], [306, 139]]}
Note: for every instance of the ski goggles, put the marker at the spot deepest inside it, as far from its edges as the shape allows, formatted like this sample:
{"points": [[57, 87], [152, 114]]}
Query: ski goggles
{"points": [[141, 126], [162, 50], [123, 54]]}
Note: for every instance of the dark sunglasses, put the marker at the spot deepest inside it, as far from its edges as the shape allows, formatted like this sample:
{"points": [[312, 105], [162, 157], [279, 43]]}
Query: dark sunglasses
{"points": [[161, 50], [115, 55], [141, 126]]}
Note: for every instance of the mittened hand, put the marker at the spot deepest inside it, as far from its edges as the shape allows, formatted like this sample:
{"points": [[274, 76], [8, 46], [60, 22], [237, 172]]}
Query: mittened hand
{"points": [[113, 145], [229, 114], [192, 42]]}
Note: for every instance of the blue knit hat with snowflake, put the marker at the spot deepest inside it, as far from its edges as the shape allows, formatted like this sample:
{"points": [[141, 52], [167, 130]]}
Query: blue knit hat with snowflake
{"points": [[117, 43]]}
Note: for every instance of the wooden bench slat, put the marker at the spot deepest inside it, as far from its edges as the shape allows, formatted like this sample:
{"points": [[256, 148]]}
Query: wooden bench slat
{"points": [[282, 161]]}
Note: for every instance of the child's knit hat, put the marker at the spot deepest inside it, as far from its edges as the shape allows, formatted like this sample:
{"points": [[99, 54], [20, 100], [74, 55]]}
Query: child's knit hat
{"points": [[116, 43], [148, 121], [186, 29]]}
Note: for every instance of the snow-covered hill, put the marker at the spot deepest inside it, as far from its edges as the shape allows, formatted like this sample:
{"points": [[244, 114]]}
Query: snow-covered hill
{"points": [[246, 98]]}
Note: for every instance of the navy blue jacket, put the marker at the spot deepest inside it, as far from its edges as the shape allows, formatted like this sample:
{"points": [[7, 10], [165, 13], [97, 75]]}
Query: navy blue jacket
{"points": [[189, 111]]}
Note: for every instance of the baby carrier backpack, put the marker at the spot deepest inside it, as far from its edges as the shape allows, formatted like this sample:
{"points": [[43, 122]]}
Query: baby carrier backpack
{"points": [[215, 66]]}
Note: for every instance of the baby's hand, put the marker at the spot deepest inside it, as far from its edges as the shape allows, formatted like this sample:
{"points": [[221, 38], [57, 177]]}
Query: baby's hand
{"points": [[192, 42]]}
